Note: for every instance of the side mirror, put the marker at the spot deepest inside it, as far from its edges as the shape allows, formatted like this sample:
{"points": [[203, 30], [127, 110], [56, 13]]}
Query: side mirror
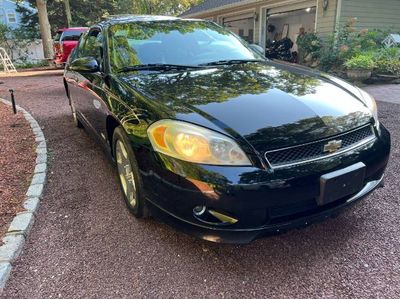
{"points": [[84, 65], [258, 49]]}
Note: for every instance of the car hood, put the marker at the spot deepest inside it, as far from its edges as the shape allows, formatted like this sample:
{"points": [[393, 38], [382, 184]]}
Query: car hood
{"points": [[271, 105]]}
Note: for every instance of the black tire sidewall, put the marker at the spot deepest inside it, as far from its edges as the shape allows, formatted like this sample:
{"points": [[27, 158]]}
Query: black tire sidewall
{"points": [[139, 210]]}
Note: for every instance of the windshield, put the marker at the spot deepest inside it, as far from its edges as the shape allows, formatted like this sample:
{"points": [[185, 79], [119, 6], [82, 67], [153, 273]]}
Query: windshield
{"points": [[174, 42]]}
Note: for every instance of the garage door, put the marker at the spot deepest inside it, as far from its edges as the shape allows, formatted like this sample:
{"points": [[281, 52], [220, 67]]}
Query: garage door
{"points": [[295, 6]]}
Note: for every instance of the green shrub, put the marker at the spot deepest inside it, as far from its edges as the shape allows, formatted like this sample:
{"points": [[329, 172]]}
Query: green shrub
{"points": [[309, 44], [32, 64], [348, 42], [387, 61], [387, 54], [388, 67], [360, 62]]}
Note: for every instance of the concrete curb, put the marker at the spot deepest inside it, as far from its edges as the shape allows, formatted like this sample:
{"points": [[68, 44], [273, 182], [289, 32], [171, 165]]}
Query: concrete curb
{"points": [[14, 239]]}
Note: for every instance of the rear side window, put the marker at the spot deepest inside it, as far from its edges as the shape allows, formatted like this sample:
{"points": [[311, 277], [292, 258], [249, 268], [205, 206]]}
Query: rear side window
{"points": [[71, 35]]}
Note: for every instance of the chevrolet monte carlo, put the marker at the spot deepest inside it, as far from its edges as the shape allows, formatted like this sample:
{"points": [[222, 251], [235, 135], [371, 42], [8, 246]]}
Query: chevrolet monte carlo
{"points": [[214, 139]]}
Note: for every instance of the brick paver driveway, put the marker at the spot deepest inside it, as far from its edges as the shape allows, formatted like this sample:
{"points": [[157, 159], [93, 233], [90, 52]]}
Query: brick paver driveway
{"points": [[86, 244]]}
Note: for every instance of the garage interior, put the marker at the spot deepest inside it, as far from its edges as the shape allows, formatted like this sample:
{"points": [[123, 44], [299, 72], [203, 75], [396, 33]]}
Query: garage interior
{"points": [[282, 30]]}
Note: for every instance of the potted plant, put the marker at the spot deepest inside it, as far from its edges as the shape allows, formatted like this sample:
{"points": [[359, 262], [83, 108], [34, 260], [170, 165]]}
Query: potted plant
{"points": [[360, 67]]}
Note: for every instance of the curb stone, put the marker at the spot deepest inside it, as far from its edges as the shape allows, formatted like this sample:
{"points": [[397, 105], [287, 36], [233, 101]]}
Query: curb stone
{"points": [[14, 239], [5, 270]]}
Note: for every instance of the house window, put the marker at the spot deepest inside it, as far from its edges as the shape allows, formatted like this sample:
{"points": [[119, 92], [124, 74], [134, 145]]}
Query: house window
{"points": [[11, 17]]}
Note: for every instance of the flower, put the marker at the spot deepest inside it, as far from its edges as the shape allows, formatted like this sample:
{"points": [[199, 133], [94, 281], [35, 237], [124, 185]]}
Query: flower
{"points": [[344, 48], [363, 32]]}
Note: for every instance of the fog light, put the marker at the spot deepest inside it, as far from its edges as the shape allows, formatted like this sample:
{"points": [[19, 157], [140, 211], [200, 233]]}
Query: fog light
{"points": [[209, 216], [199, 210]]}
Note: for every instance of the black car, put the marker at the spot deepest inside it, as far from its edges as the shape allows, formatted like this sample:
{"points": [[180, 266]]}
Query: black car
{"points": [[213, 138]]}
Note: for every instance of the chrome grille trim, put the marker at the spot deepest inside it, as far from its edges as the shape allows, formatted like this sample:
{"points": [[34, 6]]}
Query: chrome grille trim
{"points": [[322, 156]]}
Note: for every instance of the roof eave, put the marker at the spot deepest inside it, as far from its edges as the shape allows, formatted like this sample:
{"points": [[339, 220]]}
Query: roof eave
{"points": [[216, 9]]}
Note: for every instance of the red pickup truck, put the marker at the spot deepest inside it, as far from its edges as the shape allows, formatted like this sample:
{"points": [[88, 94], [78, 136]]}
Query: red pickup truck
{"points": [[65, 41]]}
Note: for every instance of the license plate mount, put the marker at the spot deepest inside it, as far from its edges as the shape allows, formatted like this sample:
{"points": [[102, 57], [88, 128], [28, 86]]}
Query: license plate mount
{"points": [[341, 183]]}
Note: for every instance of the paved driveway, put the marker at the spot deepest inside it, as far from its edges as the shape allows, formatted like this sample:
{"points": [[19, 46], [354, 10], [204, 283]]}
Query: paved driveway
{"points": [[85, 243]]}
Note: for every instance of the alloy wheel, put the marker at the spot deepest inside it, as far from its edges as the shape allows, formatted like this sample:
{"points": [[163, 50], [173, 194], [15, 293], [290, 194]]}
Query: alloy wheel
{"points": [[125, 172]]}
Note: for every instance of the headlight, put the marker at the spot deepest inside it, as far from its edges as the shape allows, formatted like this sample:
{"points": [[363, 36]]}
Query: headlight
{"points": [[195, 144], [371, 104]]}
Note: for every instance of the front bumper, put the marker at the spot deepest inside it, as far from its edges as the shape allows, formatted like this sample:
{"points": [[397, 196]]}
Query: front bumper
{"points": [[244, 236], [263, 201]]}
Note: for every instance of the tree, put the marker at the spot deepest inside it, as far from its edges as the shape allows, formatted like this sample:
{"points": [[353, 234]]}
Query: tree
{"points": [[89, 12], [29, 19], [68, 13], [169, 7], [45, 30]]}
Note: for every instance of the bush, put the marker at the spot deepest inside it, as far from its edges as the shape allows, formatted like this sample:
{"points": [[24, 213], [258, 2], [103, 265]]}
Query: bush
{"points": [[32, 64], [387, 54], [360, 62], [309, 44], [348, 42], [387, 61], [387, 67], [15, 40]]}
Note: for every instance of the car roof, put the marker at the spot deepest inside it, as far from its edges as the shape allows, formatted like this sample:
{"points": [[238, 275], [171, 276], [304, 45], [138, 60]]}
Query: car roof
{"points": [[121, 19]]}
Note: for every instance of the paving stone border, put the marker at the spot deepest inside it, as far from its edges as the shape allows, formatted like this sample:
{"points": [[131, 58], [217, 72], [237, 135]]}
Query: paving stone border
{"points": [[14, 239]]}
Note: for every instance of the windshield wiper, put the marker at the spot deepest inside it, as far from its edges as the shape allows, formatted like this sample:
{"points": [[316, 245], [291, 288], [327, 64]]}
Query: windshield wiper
{"points": [[231, 61], [156, 67]]}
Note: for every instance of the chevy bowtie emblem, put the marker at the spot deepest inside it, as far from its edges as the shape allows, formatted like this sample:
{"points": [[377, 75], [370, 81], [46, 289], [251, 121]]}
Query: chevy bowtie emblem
{"points": [[333, 146]]}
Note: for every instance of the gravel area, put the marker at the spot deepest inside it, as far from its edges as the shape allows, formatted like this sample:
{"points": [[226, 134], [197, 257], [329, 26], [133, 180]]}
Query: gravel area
{"points": [[17, 162], [85, 244]]}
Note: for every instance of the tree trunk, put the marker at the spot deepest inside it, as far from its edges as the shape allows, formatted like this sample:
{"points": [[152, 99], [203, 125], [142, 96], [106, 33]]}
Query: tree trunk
{"points": [[45, 29], [68, 13]]}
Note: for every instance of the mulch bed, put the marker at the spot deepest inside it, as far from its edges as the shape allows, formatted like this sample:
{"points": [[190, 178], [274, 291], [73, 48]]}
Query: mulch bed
{"points": [[17, 162]]}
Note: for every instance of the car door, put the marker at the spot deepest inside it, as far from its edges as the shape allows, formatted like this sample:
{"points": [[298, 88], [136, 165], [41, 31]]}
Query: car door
{"points": [[89, 97]]}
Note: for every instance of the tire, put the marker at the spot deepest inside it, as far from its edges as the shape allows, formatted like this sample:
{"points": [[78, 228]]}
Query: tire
{"points": [[75, 119], [129, 176]]}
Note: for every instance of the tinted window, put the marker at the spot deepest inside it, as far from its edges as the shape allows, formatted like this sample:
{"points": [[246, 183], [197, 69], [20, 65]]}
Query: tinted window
{"points": [[71, 35], [174, 42]]}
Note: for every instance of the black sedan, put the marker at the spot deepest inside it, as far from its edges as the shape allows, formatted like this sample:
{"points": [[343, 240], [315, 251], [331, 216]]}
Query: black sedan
{"points": [[213, 138]]}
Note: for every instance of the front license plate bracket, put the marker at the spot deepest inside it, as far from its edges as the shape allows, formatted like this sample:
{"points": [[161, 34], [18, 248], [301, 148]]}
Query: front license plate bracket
{"points": [[341, 183]]}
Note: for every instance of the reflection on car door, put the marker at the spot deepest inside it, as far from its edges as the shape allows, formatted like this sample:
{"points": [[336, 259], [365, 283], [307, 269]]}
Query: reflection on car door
{"points": [[88, 95]]}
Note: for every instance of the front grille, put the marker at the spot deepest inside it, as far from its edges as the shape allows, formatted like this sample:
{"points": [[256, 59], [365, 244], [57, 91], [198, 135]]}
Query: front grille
{"points": [[315, 150]]}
